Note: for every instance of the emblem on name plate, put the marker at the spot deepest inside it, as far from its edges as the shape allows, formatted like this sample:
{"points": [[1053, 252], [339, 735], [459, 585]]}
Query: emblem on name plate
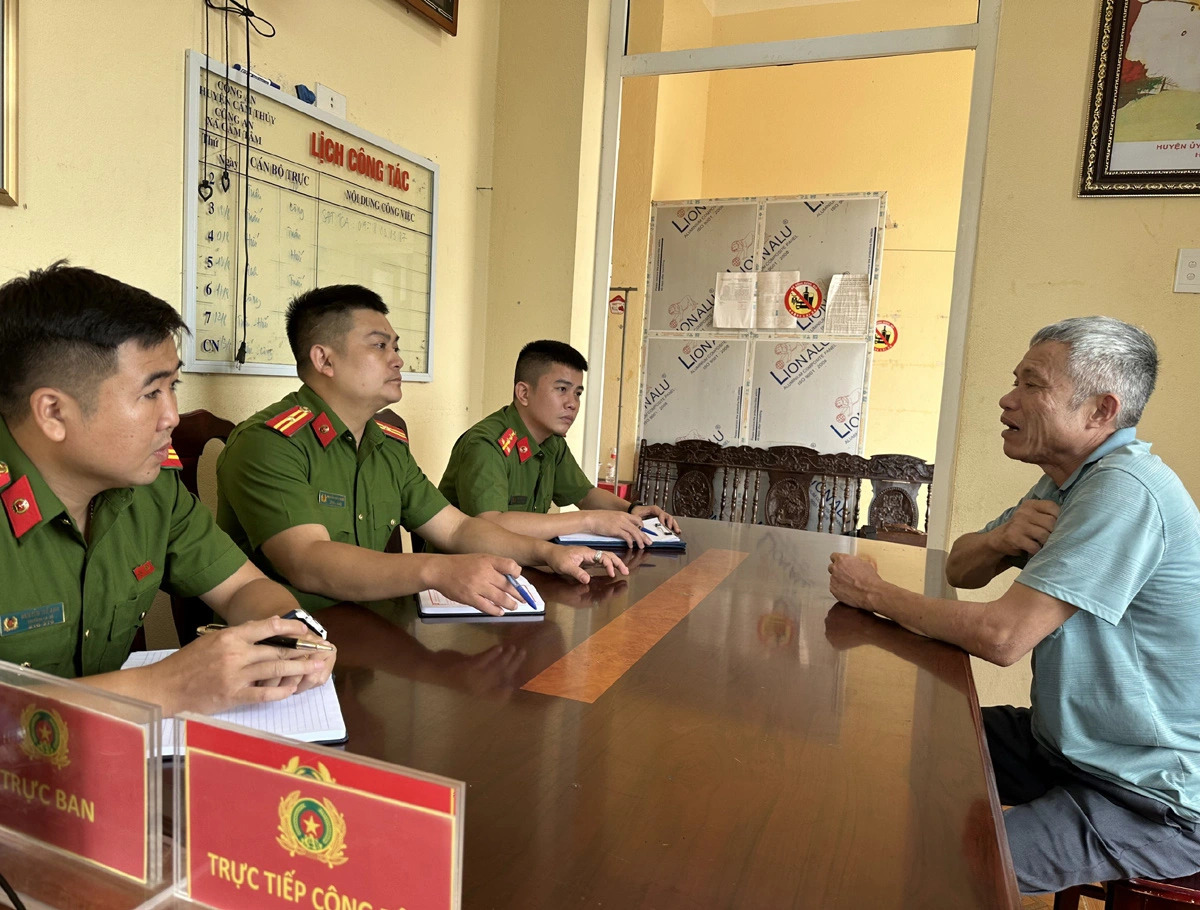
{"points": [[320, 772], [44, 735], [313, 828]]}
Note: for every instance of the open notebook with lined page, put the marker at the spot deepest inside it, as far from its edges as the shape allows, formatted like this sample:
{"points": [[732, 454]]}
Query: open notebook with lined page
{"points": [[314, 716]]}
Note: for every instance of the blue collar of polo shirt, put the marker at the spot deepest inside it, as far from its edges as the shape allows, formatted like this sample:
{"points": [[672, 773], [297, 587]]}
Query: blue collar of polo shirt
{"points": [[1115, 441]]}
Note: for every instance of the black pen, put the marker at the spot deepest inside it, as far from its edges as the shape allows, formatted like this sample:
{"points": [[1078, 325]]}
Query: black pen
{"points": [[286, 641], [279, 641]]}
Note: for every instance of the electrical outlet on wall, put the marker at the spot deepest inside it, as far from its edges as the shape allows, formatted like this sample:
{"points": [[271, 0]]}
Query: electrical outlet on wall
{"points": [[330, 101], [1187, 272]]}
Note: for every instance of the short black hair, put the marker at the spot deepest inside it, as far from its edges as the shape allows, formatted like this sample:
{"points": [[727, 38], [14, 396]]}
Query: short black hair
{"points": [[538, 356], [60, 327], [322, 316]]}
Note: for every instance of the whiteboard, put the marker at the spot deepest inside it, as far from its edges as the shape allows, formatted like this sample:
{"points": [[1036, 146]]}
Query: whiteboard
{"points": [[328, 203]]}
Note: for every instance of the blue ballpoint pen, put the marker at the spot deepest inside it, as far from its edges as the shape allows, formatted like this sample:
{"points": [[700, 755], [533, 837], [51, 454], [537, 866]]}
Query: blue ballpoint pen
{"points": [[524, 594]]}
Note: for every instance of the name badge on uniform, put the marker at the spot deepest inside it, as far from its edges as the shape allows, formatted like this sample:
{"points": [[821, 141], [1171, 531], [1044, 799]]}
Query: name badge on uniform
{"points": [[333, 500], [35, 618], [517, 500]]}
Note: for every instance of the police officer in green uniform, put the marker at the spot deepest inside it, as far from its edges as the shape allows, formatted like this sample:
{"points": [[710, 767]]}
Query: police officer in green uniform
{"points": [[312, 487], [514, 463], [93, 526]]}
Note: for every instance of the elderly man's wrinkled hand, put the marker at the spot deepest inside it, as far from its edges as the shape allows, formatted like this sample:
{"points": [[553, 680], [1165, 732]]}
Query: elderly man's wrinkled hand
{"points": [[851, 579], [1030, 526]]}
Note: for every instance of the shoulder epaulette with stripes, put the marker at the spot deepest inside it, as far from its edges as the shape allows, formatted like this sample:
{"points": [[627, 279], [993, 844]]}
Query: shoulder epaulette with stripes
{"points": [[507, 440], [291, 420], [172, 460], [394, 432]]}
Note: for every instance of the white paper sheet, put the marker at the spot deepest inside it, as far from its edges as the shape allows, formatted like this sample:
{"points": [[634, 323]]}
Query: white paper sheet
{"points": [[849, 305], [312, 716], [734, 300], [771, 288]]}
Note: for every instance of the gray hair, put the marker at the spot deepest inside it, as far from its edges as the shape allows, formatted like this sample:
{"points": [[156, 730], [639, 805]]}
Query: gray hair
{"points": [[1107, 356]]}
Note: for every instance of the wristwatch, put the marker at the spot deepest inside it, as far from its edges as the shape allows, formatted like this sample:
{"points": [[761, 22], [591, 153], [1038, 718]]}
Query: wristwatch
{"points": [[305, 617], [633, 505]]}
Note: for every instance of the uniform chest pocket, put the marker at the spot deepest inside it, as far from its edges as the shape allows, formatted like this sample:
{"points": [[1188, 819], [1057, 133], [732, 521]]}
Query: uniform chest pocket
{"points": [[127, 617], [385, 519], [49, 647]]}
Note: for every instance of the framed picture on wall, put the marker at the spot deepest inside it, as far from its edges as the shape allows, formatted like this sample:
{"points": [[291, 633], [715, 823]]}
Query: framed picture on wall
{"points": [[8, 102], [1143, 136], [442, 12]]}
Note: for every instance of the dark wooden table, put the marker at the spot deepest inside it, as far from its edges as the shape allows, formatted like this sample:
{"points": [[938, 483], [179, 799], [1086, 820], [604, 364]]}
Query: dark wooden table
{"points": [[712, 732]]}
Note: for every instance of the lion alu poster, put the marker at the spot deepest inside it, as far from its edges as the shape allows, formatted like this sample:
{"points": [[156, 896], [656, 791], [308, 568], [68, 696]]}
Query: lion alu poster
{"points": [[691, 244], [694, 389]]}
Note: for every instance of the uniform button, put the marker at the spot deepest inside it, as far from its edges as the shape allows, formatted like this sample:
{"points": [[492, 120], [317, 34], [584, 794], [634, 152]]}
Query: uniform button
{"points": [[142, 615], [87, 633], [360, 516], [392, 522], [66, 522], [26, 664]]}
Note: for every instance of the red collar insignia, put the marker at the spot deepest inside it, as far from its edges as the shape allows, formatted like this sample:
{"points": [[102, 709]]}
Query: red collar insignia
{"points": [[507, 440], [146, 568], [20, 507], [291, 420], [523, 452], [323, 427], [5, 477], [172, 460], [392, 432]]}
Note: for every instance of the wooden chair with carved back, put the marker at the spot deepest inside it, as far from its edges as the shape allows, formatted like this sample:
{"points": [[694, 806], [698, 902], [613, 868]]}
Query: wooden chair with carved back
{"points": [[1136, 894], [785, 486], [895, 512], [196, 429], [679, 477], [813, 491]]}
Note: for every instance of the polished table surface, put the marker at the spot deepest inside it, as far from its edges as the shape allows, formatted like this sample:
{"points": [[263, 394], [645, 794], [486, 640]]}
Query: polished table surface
{"points": [[710, 732]]}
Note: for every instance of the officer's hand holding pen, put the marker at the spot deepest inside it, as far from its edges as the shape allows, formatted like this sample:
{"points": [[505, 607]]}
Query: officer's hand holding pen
{"points": [[279, 641]]}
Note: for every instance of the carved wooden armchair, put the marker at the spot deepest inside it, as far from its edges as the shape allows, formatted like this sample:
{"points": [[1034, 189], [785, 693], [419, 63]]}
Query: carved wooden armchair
{"points": [[196, 429], [895, 511], [813, 491], [785, 486]]}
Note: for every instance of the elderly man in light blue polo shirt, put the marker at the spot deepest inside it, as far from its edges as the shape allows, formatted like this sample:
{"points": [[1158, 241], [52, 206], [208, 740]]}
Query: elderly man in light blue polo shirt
{"points": [[1103, 772]]}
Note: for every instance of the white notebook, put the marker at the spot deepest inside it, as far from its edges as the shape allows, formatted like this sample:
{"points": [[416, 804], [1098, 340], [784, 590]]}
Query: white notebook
{"points": [[657, 536], [313, 716], [436, 605]]}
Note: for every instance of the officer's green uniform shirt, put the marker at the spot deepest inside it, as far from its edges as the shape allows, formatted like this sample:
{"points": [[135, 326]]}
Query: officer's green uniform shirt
{"points": [[71, 607], [483, 477], [268, 482]]}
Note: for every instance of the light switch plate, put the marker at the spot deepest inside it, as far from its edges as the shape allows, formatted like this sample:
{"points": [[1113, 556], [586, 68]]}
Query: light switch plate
{"points": [[1187, 272]]}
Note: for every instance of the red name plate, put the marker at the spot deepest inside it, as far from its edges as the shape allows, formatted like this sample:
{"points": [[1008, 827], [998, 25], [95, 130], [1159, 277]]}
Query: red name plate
{"points": [[281, 825], [75, 779]]}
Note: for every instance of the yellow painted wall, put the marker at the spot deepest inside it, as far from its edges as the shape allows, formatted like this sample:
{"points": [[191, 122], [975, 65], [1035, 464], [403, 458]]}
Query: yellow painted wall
{"points": [[545, 179], [895, 124], [899, 125], [101, 156], [1044, 255]]}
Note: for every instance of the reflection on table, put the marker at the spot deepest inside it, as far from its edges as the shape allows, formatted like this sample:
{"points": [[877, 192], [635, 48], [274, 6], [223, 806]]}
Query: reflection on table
{"points": [[759, 750]]}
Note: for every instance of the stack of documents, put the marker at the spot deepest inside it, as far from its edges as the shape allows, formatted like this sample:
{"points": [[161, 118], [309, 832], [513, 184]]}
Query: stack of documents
{"points": [[657, 537]]}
